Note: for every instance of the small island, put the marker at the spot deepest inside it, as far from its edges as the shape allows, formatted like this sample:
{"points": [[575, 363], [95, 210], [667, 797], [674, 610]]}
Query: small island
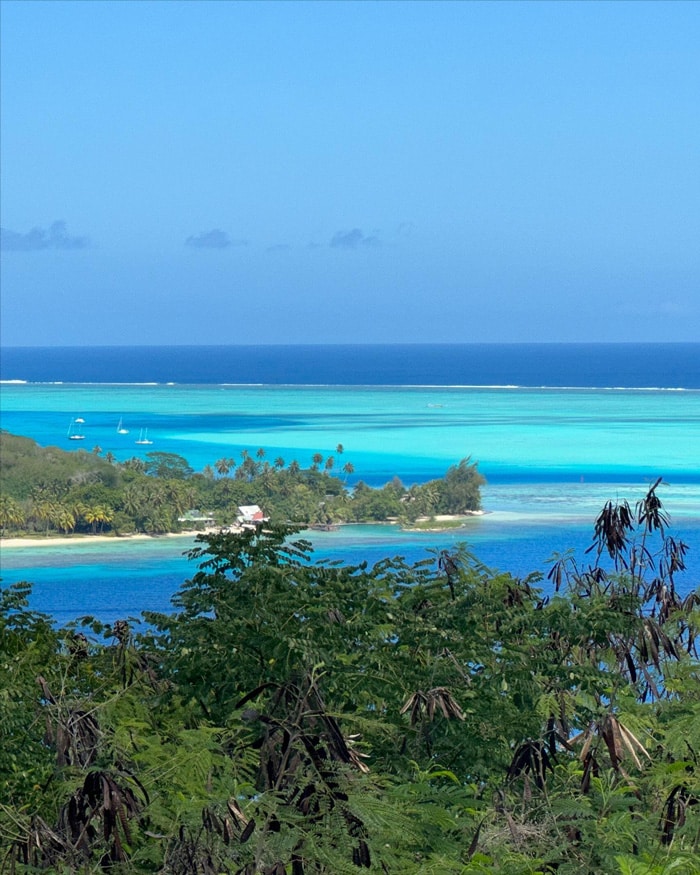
{"points": [[49, 492]]}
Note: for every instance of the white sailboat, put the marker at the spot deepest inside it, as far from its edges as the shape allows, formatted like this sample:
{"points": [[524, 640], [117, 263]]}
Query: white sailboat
{"points": [[75, 435], [121, 429], [143, 437]]}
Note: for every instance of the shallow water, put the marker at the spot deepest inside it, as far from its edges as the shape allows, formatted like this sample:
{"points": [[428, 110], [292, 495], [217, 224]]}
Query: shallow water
{"points": [[552, 458], [515, 435], [122, 578]]}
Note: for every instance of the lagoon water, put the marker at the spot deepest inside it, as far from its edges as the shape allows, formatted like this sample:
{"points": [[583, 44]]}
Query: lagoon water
{"points": [[552, 456]]}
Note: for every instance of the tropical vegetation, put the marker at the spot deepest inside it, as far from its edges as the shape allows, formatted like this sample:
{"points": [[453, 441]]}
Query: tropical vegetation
{"points": [[50, 491], [293, 717]]}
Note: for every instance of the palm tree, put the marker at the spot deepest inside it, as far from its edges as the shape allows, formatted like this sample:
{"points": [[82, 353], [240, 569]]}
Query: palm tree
{"points": [[44, 492], [156, 494], [65, 518], [45, 511], [279, 463], [178, 496], [90, 517], [132, 500], [429, 496], [98, 513], [348, 468], [158, 521], [317, 458], [135, 464], [249, 468], [106, 515], [78, 511], [11, 514], [330, 462], [223, 466]]}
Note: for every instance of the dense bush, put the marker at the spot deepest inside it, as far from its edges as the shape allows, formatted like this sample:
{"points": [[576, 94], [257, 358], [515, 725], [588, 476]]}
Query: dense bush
{"points": [[295, 717]]}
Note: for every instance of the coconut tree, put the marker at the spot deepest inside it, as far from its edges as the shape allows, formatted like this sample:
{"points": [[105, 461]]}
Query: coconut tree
{"points": [[133, 500], [224, 465], [65, 518], [44, 511], [106, 515], [78, 511], [135, 464], [87, 516], [91, 515], [247, 469], [428, 498], [156, 494], [11, 514], [178, 496], [97, 514]]}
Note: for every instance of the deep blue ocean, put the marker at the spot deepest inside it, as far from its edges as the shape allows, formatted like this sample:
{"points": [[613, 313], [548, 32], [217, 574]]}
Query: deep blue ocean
{"points": [[557, 429], [629, 365]]}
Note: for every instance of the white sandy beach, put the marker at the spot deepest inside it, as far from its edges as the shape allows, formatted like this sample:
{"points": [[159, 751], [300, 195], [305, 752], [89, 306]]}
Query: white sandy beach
{"points": [[66, 540]]}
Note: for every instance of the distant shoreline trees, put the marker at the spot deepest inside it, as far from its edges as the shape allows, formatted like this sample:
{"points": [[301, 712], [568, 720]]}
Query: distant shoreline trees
{"points": [[47, 490]]}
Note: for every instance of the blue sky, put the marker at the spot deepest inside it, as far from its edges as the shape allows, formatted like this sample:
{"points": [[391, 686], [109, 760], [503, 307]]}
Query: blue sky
{"points": [[263, 172]]}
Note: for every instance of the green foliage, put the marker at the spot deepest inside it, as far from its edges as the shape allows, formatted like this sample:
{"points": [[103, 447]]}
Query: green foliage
{"points": [[299, 717], [27, 469], [47, 490], [168, 466], [28, 644], [459, 491]]}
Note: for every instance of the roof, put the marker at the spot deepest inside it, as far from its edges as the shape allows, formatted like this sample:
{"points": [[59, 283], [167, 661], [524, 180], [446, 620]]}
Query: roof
{"points": [[251, 512]]}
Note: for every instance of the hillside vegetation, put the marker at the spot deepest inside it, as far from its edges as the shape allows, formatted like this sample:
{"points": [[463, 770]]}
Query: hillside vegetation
{"points": [[292, 718]]}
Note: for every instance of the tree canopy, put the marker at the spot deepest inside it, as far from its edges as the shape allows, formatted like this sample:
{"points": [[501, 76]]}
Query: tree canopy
{"points": [[292, 716], [49, 490]]}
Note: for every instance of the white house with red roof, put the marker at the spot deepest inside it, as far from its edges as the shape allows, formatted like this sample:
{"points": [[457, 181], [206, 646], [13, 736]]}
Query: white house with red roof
{"points": [[250, 514]]}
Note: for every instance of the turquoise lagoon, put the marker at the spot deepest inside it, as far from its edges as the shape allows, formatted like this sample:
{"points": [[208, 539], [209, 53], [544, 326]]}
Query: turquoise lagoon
{"points": [[551, 457], [533, 435]]}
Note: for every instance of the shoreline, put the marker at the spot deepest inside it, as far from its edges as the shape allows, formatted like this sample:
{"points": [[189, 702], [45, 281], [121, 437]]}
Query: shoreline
{"points": [[65, 540], [26, 541]]}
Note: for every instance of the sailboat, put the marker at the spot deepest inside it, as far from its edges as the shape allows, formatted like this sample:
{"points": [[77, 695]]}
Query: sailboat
{"points": [[75, 435], [143, 437], [121, 429]]}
